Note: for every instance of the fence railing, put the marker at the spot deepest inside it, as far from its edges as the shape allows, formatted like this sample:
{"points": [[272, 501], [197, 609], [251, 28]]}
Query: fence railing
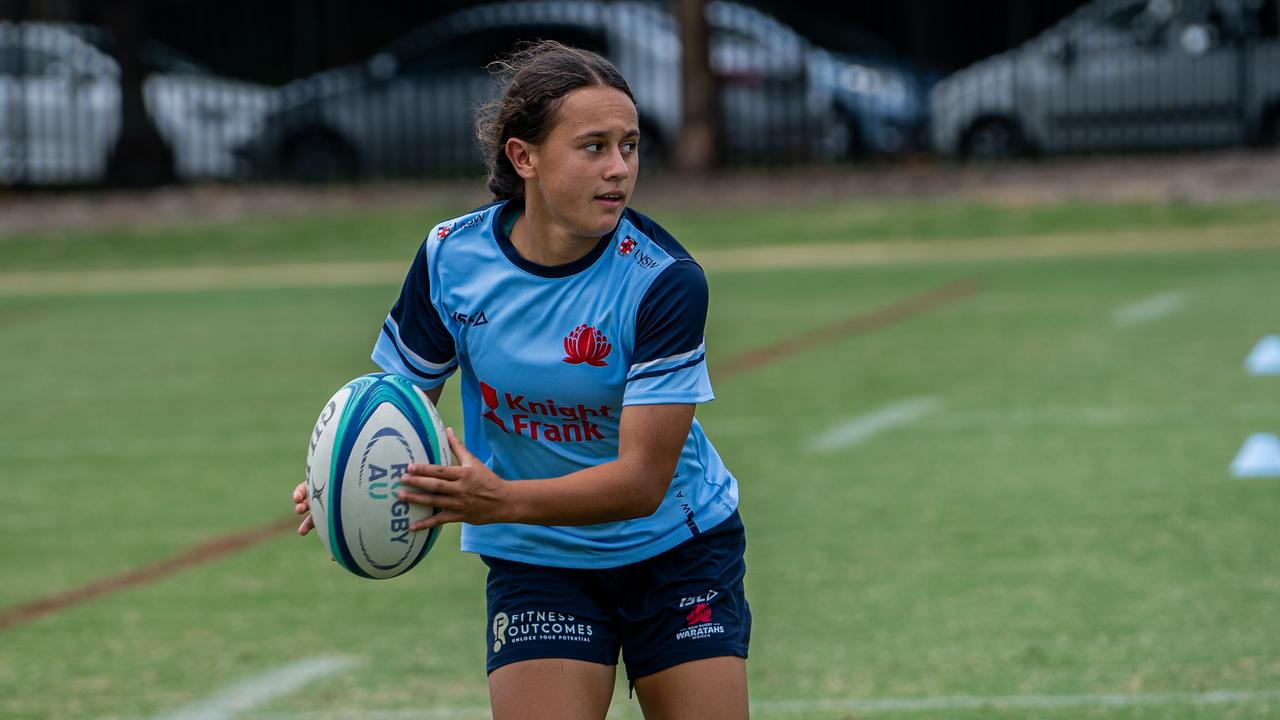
{"points": [[311, 99]]}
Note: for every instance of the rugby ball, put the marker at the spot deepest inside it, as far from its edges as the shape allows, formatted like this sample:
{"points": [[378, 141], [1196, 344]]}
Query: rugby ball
{"points": [[365, 437]]}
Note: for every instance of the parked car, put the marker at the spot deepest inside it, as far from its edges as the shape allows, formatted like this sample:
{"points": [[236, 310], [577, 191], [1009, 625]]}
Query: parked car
{"points": [[863, 101], [60, 107], [1122, 75], [410, 108]]}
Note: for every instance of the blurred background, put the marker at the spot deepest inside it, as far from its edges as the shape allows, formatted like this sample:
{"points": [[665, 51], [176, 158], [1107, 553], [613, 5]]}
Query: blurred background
{"points": [[994, 330], [148, 92]]}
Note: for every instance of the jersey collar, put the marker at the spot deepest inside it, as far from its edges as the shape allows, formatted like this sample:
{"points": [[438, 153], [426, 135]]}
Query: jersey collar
{"points": [[505, 218]]}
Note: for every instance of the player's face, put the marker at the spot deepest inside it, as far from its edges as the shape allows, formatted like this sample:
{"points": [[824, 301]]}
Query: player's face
{"points": [[587, 166]]}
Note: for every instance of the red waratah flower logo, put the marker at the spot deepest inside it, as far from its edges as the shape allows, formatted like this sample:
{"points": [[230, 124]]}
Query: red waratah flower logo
{"points": [[626, 246], [700, 613], [586, 345]]}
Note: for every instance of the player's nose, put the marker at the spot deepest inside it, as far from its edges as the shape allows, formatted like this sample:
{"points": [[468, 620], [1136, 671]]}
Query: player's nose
{"points": [[617, 167]]}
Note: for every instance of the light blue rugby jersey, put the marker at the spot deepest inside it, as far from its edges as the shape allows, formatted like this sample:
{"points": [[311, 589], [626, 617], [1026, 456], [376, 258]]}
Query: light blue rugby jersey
{"points": [[549, 357]]}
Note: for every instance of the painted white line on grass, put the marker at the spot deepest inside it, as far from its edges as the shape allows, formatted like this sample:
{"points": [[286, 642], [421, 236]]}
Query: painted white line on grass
{"points": [[863, 427], [260, 689], [769, 708], [1151, 308], [195, 279], [975, 702]]}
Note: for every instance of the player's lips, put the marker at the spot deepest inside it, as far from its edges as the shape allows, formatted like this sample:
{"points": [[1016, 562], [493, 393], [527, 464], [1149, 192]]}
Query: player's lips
{"points": [[611, 199]]}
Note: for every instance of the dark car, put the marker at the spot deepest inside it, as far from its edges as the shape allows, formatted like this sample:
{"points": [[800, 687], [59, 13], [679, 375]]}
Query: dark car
{"points": [[410, 108]]}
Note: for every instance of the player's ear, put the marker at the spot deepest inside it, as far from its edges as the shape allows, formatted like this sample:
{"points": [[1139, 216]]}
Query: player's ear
{"points": [[521, 156]]}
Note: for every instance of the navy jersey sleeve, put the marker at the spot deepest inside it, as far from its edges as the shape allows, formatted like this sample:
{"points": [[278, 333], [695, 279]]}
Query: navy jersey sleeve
{"points": [[414, 341], [669, 363]]}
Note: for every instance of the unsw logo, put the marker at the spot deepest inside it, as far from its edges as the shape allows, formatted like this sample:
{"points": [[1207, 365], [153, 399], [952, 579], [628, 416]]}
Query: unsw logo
{"points": [[628, 245], [586, 345], [546, 421]]}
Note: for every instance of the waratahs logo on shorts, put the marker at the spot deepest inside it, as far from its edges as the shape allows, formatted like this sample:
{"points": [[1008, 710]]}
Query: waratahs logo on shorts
{"points": [[586, 345], [698, 621], [701, 613], [626, 246]]}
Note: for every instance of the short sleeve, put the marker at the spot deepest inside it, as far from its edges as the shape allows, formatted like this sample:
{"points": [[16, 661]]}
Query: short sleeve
{"points": [[414, 341], [669, 363]]}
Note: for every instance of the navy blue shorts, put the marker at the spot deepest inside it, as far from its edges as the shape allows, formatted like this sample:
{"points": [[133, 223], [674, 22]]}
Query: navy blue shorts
{"points": [[684, 604]]}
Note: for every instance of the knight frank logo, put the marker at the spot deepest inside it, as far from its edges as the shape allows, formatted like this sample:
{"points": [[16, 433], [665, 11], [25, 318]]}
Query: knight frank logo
{"points": [[547, 420], [626, 246], [586, 345]]}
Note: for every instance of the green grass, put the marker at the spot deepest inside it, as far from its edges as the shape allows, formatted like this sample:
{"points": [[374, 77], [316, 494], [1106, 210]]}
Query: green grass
{"points": [[1064, 524], [394, 233]]}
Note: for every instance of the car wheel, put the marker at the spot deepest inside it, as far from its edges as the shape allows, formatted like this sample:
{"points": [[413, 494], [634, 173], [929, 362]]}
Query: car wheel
{"points": [[993, 139], [838, 140], [653, 151], [321, 156], [1270, 136]]}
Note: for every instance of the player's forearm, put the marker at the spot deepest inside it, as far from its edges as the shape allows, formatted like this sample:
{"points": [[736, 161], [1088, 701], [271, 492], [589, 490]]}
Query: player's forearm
{"points": [[617, 490]]}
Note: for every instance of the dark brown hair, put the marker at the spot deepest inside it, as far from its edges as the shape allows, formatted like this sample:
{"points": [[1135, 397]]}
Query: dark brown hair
{"points": [[541, 74]]}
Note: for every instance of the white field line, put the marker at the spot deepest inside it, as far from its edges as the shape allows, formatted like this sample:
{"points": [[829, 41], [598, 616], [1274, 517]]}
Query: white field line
{"points": [[975, 702], [866, 426], [1151, 308], [773, 708], [191, 279], [798, 256], [251, 692]]}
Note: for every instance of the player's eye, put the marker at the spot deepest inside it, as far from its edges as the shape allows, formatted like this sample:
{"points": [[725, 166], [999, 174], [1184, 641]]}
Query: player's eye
{"points": [[594, 147], [629, 147]]}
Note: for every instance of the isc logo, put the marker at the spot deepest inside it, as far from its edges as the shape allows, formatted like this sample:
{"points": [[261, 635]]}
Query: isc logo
{"points": [[706, 598], [474, 319]]}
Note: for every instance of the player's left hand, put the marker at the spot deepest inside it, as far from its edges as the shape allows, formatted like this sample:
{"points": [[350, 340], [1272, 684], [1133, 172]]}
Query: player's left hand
{"points": [[467, 492]]}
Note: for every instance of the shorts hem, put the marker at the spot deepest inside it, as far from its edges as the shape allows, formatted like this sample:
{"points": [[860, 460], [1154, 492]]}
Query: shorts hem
{"points": [[669, 661], [513, 659]]}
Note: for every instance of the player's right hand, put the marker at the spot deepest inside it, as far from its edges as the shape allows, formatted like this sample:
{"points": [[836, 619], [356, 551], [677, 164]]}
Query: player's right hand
{"points": [[301, 505]]}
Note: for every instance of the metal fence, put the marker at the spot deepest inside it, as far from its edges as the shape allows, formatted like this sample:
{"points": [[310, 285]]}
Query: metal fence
{"points": [[315, 90], [314, 104], [1122, 75]]}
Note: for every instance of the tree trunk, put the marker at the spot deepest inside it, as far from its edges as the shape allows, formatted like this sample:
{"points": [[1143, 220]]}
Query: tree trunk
{"points": [[697, 150], [141, 158]]}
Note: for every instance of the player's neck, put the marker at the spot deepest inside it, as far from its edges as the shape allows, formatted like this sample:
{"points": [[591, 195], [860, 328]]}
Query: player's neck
{"points": [[539, 239]]}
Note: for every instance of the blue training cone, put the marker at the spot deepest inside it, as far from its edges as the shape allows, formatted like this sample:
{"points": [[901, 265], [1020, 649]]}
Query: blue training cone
{"points": [[1259, 457], [1265, 358]]}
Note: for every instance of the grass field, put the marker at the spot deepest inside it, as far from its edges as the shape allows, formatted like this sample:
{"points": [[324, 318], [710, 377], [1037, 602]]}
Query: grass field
{"points": [[1029, 512]]}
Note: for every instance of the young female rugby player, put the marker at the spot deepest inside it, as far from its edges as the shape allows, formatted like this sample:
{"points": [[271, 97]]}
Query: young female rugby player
{"points": [[607, 520]]}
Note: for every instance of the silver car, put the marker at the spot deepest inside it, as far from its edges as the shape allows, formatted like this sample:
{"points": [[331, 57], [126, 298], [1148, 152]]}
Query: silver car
{"points": [[1121, 75], [60, 107]]}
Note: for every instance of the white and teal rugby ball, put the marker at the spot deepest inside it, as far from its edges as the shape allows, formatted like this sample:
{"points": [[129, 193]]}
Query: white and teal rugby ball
{"points": [[367, 434]]}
